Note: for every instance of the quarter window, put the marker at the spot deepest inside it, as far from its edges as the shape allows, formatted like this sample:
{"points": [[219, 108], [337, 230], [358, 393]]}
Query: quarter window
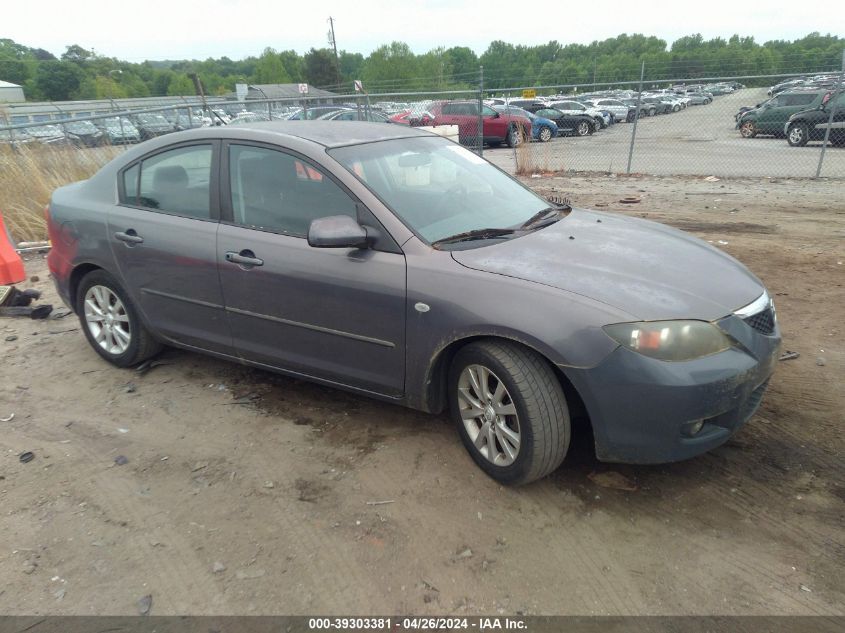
{"points": [[274, 191], [176, 181]]}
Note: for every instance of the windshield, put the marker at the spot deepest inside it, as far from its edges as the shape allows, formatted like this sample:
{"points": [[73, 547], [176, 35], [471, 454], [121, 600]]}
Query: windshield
{"points": [[439, 188]]}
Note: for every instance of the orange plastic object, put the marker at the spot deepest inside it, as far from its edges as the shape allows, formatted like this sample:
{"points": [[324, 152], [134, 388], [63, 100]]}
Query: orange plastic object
{"points": [[11, 264]]}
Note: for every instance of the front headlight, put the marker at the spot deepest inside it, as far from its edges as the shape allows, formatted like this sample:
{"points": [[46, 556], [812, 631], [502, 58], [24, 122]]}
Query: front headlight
{"points": [[670, 340]]}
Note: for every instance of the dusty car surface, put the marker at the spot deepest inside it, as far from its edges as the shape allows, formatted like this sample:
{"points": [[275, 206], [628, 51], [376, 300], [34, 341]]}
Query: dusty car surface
{"points": [[394, 263]]}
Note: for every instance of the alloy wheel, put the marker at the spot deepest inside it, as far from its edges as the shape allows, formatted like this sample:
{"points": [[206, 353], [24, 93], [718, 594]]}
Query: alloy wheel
{"points": [[489, 415], [107, 320]]}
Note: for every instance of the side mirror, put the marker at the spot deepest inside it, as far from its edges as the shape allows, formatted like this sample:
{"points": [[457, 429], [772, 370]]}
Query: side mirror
{"points": [[495, 116], [337, 231]]}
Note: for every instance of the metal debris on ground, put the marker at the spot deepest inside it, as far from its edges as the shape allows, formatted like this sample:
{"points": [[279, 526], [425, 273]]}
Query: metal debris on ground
{"points": [[630, 200], [11, 338], [787, 355], [120, 460], [380, 503], [26, 457], [8, 418]]}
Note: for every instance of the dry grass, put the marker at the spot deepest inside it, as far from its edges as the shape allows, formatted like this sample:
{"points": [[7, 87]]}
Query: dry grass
{"points": [[28, 175]]}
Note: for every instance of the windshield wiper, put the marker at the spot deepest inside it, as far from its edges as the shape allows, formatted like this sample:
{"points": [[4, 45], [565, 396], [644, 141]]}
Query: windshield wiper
{"points": [[557, 207], [475, 234]]}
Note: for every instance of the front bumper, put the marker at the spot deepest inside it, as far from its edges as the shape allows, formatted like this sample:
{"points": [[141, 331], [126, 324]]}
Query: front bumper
{"points": [[640, 408]]}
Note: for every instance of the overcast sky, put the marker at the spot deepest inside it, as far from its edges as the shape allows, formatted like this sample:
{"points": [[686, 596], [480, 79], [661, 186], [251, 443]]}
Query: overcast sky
{"points": [[173, 29]]}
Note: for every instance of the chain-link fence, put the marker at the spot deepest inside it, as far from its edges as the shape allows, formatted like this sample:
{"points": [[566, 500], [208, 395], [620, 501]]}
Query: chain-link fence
{"points": [[752, 126]]}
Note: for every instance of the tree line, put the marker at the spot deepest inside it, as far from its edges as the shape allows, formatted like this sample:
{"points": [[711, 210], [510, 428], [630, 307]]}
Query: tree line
{"points": [[82, 74]]}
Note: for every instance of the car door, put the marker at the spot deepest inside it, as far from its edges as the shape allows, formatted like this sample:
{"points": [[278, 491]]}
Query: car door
{"points": [[334, 314], [163, 237], [495, 125]]}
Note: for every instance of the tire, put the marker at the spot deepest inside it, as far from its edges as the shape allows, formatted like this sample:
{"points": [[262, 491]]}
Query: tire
{"points": [[514, 137], [583, 128], [748, 129], [798, 134], [631, 116], [124, 340], [540, 420], [676, 108], [545, 134], [600, 122], [708, 101]]}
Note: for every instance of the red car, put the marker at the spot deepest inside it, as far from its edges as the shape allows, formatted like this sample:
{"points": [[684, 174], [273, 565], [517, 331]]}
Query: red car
{"points": [[413, 119], [498, 127]]}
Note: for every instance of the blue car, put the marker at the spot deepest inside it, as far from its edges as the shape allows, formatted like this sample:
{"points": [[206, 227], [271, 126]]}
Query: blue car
{"points": [[543, 130]]}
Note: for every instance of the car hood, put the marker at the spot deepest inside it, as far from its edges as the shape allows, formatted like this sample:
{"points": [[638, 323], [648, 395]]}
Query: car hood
{"points": [[649, 270]]}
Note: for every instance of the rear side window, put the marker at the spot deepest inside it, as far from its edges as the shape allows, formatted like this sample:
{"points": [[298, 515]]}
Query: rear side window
{"points": [[176, 182], [796, 99]]}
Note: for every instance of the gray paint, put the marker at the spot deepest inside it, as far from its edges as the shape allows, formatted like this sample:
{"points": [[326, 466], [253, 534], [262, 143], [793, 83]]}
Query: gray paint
{"points": [[379, 322]]}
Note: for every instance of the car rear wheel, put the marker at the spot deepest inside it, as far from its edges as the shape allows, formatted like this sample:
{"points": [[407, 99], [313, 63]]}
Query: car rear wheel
{"points": [[510, 411], [110, 321], [797, 134], [545, 134], [748, 129], [583, 128]]}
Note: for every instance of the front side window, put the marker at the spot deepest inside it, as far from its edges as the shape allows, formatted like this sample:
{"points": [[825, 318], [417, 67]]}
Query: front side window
{"points": [[274, 191], [176, 181]]}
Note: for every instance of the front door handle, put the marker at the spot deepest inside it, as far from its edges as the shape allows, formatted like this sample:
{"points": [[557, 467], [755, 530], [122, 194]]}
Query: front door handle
{"points": [[129, 236], [246, 258]]}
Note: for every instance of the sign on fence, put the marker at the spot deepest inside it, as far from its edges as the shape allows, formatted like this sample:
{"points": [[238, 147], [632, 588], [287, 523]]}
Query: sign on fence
{"points": [[529, 94], [303, 89]]}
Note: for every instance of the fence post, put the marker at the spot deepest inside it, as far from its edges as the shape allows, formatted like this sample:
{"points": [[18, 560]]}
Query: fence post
{"points": [[834, 98], [636, 119], [479, 132]]}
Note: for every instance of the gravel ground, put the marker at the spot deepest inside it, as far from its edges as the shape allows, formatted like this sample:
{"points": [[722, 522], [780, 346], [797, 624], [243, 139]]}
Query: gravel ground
{"points": [[242, 492]]}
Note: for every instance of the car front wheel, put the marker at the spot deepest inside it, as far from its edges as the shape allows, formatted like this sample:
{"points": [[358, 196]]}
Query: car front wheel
{"points": [[545, 134], [797, 135], [110, 321], [510, 411], [748, 129], [583, 128]]}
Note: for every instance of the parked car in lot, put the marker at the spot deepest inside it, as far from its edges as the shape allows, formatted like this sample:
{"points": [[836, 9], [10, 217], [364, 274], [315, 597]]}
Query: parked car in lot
{"points": [[314, 112], [575, 107], [542, 129], [646, 109], [811, 125], [661, 105], [570, 124], [393, 263], [497, 128], [119, 131], [47, 135], [152, 125], [354, 115], [620, 111], [84, 134], [771, 116], [700, 98]]}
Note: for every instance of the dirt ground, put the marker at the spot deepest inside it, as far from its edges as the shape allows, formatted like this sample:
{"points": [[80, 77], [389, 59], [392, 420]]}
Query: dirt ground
{"points": [[249, 493]]}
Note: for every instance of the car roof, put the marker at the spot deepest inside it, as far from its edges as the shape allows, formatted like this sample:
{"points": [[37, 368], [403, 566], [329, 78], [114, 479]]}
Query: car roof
{"points": [[326, 133]]}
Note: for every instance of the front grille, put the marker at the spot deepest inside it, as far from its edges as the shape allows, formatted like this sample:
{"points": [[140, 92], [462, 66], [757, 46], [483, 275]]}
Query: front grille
{"points": [[763, 322]]}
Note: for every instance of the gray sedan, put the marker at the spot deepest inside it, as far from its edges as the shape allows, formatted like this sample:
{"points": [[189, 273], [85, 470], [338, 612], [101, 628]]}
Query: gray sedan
{"points": [[394, 263]]}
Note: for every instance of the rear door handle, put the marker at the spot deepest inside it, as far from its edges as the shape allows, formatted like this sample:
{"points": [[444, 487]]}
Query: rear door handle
{"points": [[245, 258], [130, 237]]}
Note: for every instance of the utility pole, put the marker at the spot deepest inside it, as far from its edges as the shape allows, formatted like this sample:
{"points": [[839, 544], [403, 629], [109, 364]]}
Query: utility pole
{"points": [[333, 42]]}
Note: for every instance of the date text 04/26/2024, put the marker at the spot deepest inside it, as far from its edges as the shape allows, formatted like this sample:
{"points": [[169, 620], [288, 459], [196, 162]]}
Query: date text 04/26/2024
{"points": [[417, 624]]}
